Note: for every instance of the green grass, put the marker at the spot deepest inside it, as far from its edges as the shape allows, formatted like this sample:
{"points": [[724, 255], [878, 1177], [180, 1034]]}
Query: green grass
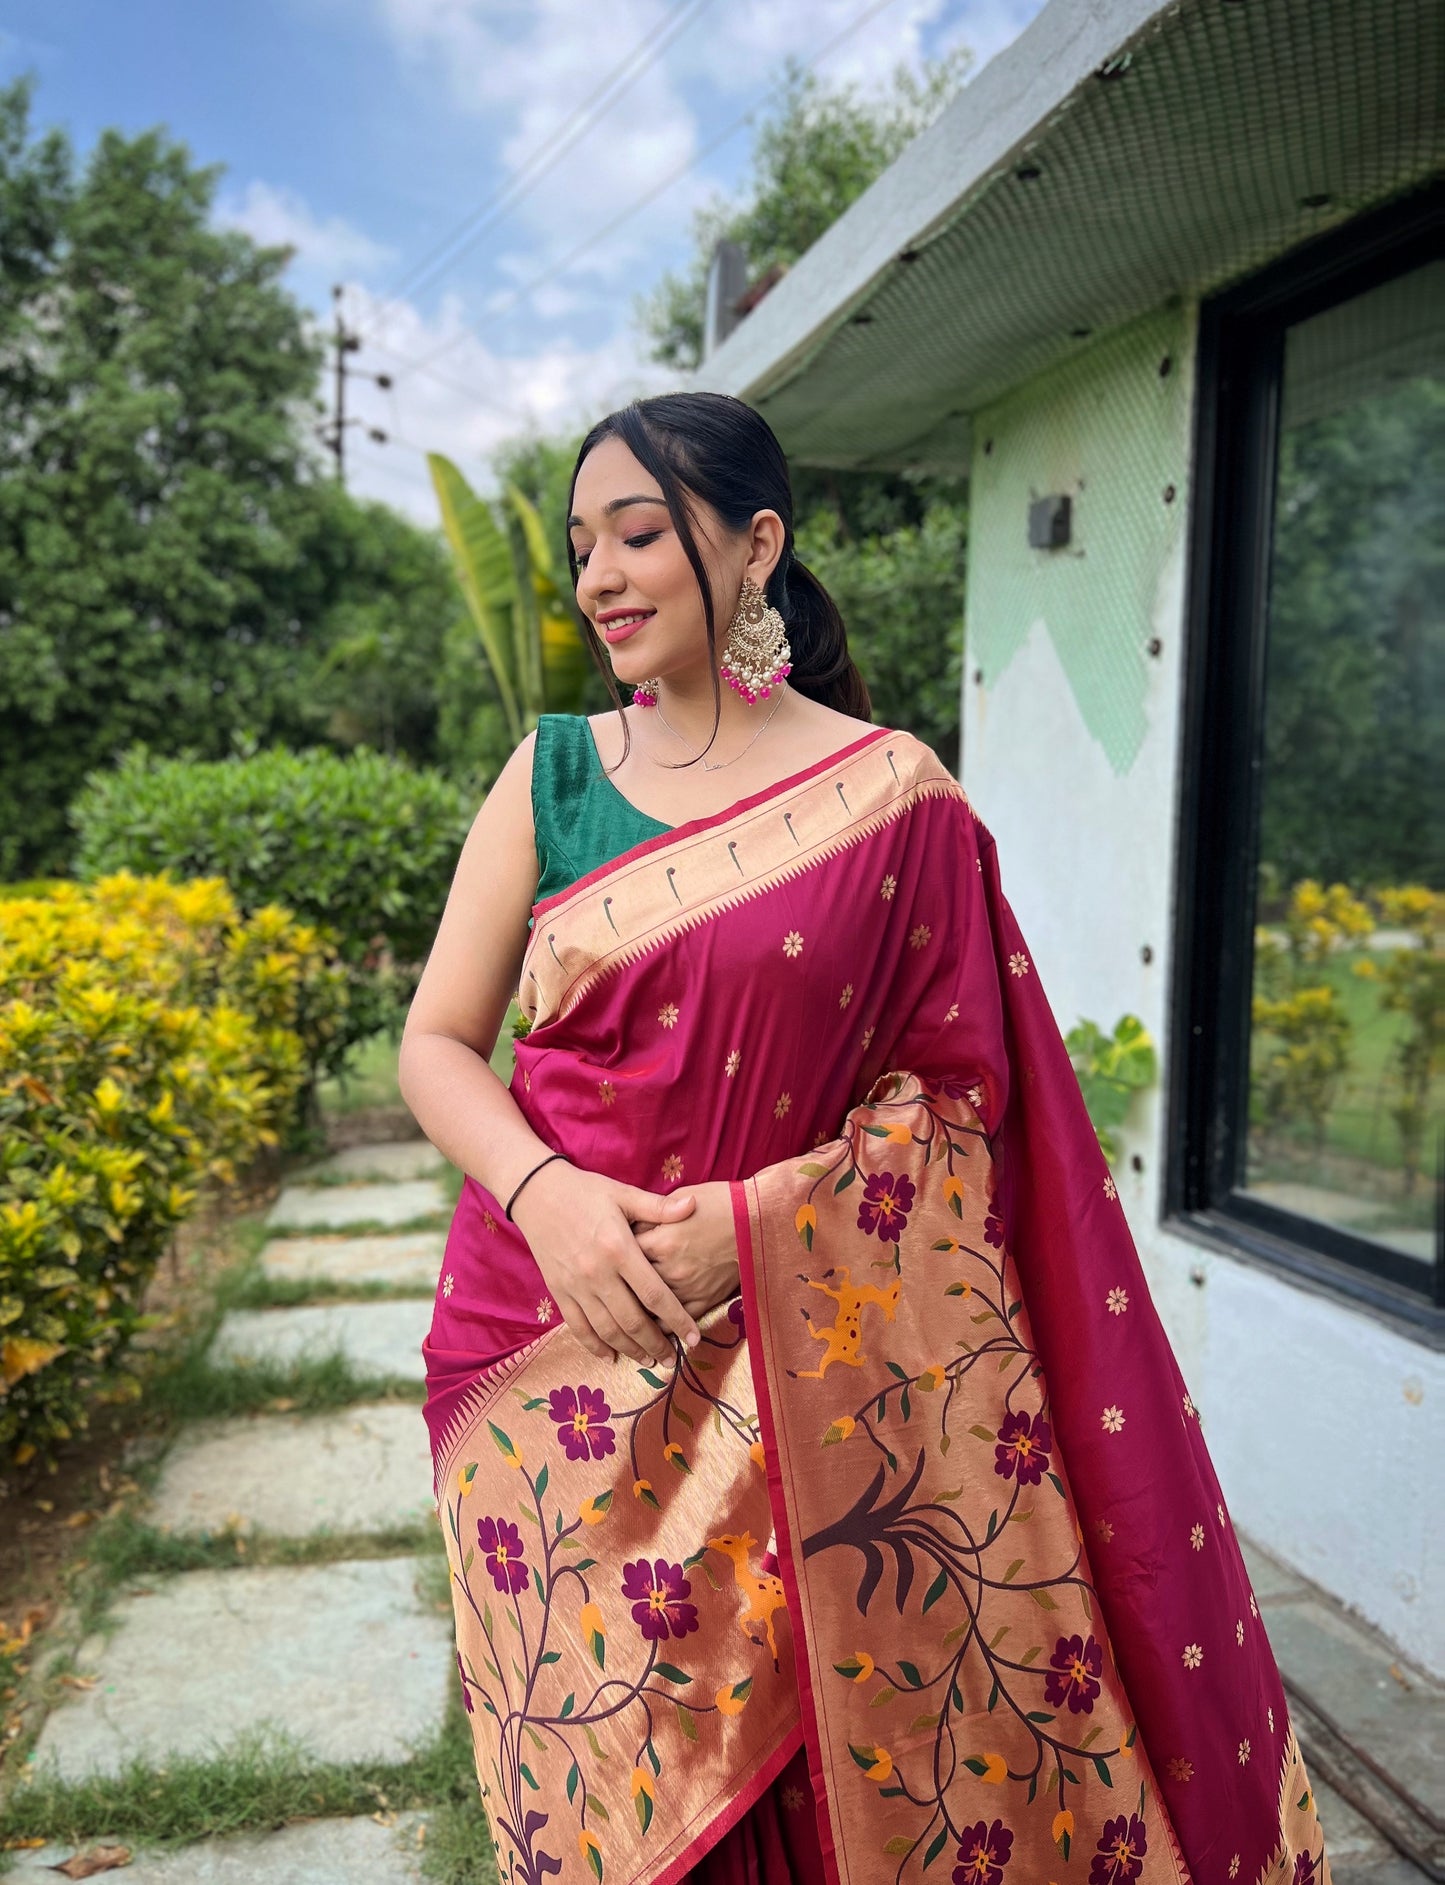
{"points": [[289, 1292], [260, 1781]]}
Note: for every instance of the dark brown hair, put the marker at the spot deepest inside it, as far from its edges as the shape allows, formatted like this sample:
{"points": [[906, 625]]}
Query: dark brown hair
{"points": [[719, 450]]}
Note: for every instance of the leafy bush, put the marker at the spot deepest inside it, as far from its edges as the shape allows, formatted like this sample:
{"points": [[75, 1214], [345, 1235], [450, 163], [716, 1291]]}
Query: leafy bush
{"points": [[901, 595], [151, 1039], [1111, 1068], [364, 845]]}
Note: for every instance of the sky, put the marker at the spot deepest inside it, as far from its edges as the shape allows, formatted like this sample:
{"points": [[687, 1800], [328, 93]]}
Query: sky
{"points": [[492, 182]]}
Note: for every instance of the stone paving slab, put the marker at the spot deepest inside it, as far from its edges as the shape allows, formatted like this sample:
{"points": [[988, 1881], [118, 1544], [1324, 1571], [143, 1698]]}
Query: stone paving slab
{"points": [[406, 1158], [1357, 1851], [1271, 1580], [345, 1657], [314, 1852], [1391, 1712], [404, 1259], [365, 1469], [304, 1207], [377, 1338]]}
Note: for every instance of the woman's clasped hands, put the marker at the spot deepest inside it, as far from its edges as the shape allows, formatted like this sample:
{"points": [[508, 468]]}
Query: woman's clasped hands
{"points": [[629, 1269]]}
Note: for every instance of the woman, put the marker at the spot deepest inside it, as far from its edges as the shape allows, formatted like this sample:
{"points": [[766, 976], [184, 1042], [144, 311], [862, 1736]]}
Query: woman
{"points": [[821, 1495]]}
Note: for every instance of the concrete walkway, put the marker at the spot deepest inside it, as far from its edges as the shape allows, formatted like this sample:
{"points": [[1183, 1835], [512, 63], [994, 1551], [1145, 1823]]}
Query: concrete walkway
{"points": [[351, 1655]]}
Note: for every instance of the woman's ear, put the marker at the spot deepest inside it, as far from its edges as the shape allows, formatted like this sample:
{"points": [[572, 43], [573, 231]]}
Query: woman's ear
{"points": [[766, 536]]}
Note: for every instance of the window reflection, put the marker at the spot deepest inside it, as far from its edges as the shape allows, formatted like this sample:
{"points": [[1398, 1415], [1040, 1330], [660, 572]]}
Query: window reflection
{"points": [[1347, 1046]]}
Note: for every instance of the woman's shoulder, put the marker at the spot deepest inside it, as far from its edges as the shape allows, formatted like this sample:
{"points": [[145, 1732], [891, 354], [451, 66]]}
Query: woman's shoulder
{"points": [[914, 760]]}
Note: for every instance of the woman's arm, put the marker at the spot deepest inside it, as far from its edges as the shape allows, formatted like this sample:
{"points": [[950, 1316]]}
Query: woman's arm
{"points": [[577, 1224]]}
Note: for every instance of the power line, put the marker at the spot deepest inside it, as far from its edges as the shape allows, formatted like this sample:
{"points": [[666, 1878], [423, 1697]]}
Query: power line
{"points": [[550, 274], [545, 158]]}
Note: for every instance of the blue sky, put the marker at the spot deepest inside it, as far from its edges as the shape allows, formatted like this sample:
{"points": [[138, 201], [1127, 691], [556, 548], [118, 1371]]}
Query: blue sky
{"points": [[365, 132]]}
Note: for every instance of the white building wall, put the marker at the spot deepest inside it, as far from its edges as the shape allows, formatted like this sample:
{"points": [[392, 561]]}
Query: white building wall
{"points": [[1326, 1425]]}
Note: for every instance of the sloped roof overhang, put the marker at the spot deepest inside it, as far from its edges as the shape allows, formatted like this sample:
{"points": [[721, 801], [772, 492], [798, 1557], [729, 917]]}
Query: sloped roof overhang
{"points": [[1118, 155]]}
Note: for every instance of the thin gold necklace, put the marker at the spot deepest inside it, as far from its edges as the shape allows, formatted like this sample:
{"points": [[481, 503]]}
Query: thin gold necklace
{"points": [[717, 765]]}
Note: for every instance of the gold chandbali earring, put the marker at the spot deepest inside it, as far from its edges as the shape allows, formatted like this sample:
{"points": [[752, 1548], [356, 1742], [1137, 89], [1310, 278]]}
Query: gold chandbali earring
{"points": [[756, 656]]}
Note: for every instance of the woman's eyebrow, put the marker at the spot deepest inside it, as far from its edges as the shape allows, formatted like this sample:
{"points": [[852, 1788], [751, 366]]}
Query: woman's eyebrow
{"points": [[617, 504]]}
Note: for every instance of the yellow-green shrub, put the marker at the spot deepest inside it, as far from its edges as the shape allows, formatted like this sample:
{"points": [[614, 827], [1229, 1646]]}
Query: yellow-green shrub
{"points": [[150, 1040]]}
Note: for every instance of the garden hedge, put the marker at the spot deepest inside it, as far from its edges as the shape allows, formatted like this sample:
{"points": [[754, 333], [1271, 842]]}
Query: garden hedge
{"points": [[152, 1039], [363, 843]]}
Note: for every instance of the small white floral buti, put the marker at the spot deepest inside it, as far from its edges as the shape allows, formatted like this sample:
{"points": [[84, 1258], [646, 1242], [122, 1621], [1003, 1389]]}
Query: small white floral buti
{"points": [[1113, 1419], [1118, 1301], [1196, 1538], [793, 943], [920, 936], [667, 1014], [732, 1063], [546, 1309], [845, 995], [1018, 962], [784, 1101], [1193, 1655], [890, 884], [449, 1283]]}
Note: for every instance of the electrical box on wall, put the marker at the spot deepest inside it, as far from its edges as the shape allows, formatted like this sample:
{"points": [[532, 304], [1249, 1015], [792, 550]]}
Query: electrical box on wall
{"points": [[1049, 523]]}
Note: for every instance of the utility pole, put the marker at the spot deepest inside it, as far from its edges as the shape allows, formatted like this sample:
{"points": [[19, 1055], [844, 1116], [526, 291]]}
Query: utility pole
{"points": [[333, 433]]}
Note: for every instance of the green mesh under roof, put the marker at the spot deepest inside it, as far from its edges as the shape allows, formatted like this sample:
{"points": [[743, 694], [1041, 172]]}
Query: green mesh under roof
{"points": [[1227, 132]]}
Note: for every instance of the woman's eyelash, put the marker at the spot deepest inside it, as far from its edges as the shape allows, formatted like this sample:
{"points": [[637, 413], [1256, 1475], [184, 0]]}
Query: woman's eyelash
{"points": [[633, 543]]}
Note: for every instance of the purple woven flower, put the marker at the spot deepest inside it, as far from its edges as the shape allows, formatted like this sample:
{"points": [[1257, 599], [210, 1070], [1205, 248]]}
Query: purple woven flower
{"points": [[983, 1853], [993, 1230], [502, 1543], [885, 1205], [1119, 1857], [579, 1414], [1077, 1664], [1023, 1448], [657, 1591]]}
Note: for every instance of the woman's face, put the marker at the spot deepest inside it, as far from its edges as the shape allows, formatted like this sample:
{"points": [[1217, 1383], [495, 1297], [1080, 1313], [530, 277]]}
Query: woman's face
{"points": [[635, 584]]}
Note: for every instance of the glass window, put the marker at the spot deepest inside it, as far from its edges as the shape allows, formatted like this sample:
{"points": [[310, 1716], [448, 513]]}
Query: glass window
{"points": [[1346, 1060], [1308, 1077]]}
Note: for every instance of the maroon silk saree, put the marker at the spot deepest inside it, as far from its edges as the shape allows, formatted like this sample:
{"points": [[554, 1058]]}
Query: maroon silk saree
{"points": [[930, 1501]]}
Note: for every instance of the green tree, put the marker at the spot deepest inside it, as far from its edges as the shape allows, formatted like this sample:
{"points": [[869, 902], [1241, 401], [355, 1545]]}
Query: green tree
{"points": [[816, 152], [174, 567]]}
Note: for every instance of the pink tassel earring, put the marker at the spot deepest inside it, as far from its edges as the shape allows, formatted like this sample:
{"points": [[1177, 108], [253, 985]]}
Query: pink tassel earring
{"points": [[756, 657]]}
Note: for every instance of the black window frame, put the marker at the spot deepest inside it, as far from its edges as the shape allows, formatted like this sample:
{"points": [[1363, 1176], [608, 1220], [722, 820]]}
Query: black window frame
{"points": [[1240, 364]]}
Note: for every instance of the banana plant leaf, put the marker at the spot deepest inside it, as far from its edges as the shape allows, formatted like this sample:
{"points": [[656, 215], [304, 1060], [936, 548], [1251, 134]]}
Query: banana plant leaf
{"points": [[564, 656], [482, 557]]}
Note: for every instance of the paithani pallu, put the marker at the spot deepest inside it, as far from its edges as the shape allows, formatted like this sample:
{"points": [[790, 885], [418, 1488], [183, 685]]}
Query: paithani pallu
{"points": [[931, 1496]]}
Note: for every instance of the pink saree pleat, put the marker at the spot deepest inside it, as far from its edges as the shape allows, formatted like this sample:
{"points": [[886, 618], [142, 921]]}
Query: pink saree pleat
{"points": [[920, 1559]]}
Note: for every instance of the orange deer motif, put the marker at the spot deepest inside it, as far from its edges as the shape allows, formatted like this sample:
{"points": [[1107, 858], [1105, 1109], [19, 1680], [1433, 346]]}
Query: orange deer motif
{"points": [[846, 1333], [763, 1591]]}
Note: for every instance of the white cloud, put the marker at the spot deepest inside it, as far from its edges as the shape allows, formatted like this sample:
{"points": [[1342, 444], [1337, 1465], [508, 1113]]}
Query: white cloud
{"points": [[275, 216], [474, 400]]}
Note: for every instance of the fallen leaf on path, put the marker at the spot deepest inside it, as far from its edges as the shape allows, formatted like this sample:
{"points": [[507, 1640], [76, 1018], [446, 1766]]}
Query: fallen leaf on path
{"points": [[98, 1859], [80, 1682]]}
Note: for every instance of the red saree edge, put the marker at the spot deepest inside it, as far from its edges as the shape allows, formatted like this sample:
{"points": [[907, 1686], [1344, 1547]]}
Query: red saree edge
{"points": [[741, 1803], [742, 1225], [694, 825]]}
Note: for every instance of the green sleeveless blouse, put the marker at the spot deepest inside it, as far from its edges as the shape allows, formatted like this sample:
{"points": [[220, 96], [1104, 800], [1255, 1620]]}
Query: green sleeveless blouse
{"points": [[580, 817]]}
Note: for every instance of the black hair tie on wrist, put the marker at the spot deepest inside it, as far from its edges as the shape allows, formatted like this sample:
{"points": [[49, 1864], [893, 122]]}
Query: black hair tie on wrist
{"points": [[507, 1209]]}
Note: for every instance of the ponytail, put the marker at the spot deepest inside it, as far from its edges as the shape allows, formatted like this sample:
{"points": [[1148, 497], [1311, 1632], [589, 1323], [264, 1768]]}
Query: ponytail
{"points": [[822, 667]]}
